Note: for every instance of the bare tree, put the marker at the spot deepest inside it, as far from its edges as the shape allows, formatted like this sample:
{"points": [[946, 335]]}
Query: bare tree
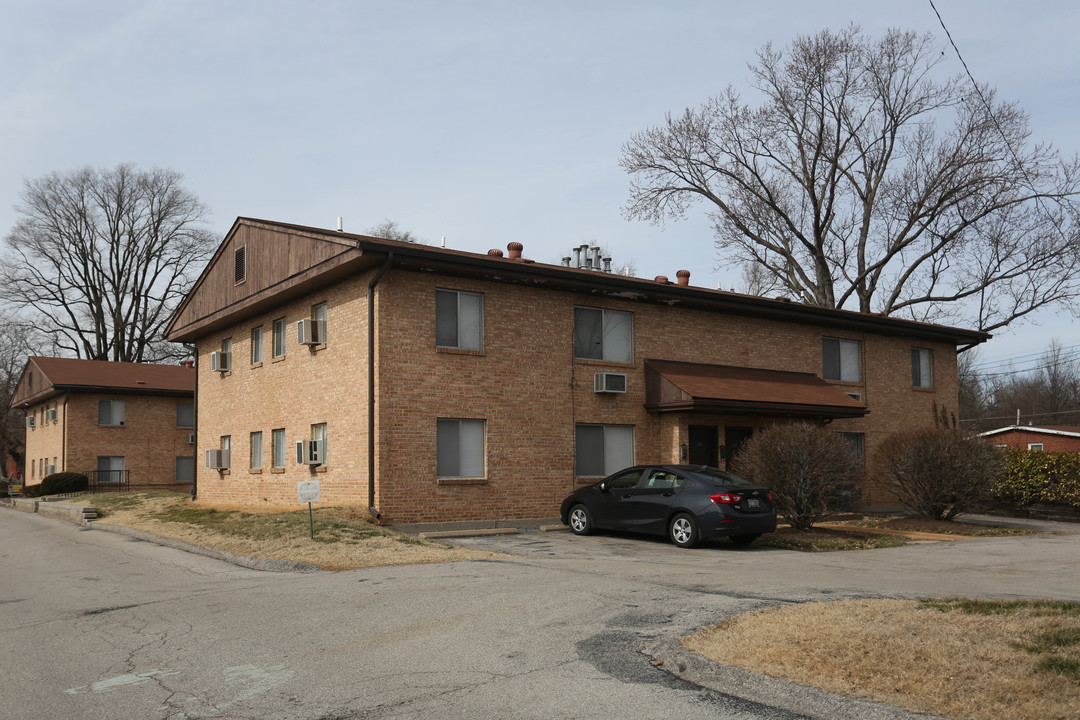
{"points": [[105, 256], [862, 182], [390, 230], [18, 341]]}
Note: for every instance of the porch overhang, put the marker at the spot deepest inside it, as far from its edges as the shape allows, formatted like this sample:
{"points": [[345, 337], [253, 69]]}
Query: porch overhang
{"points": [[672, 386]]}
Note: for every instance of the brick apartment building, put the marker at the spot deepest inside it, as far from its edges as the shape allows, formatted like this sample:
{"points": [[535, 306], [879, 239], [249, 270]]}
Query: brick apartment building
{"points": [[1063, 438], [439, 385], [111, 420]]}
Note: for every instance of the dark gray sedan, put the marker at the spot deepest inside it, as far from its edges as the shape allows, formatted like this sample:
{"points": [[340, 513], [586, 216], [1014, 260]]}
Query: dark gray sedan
{"points": [[688, 503]]}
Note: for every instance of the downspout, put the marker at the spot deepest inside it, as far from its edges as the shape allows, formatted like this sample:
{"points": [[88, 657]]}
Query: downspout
{"points": [[195, 413], [371, 383], [63, 437]]}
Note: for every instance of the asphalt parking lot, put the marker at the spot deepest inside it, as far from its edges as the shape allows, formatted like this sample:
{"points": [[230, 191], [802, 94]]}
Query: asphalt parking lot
{"points": [[104, 625]]}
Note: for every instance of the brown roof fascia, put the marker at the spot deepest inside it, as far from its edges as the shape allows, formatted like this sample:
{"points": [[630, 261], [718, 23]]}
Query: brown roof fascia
{"points": [[426, 258], [707, 405]]}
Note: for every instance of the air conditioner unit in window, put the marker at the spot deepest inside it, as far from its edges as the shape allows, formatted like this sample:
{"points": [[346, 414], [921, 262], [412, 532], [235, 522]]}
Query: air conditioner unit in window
{"points": [[220, 362], [606, 382], [31, 421], [50, 415], [310, 332], [217, 459], [191, 439], [310, 452]]}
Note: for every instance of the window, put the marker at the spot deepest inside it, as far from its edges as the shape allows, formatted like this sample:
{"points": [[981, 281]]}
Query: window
{"points": [[185, 415], [277, 440], [460, 452], [256, 451], [840, 360], [226, 451], [1035, 446], [318, 435], [110, 468], [111, 412], [604, 449], [256, 345], [459, 320], [185, 469], [279, 338], [855, 446], [318, 314], [240, 264], [603, 335], [922, 374]]}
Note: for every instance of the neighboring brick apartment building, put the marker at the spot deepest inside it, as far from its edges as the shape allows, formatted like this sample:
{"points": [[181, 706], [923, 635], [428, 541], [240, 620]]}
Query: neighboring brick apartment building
{"points": [[109, 419], [498, 384], [1064, 438]]}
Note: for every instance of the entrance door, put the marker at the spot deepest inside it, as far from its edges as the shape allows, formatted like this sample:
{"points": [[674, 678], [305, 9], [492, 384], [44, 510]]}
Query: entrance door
{"points": [[734, 437], [704, 445]]}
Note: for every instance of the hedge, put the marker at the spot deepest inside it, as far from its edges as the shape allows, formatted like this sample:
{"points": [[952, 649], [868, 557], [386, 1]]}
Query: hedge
{"points": [[63, 482], [1034, 476]]}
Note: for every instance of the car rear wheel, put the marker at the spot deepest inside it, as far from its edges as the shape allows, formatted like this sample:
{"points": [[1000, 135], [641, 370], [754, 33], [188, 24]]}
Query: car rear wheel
{"points": [[683, 531], [744, 540], [580, 520]]}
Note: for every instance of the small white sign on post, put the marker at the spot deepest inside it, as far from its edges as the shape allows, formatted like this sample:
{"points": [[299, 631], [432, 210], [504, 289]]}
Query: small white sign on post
{"points": [[308, 491]]}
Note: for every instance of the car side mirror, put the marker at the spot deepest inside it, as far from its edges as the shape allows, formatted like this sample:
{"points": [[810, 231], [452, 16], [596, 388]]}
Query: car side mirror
{"points": [[603, 487]]}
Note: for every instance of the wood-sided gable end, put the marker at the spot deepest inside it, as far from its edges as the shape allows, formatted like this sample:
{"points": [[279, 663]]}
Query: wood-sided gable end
{"points": [[255, 262]]}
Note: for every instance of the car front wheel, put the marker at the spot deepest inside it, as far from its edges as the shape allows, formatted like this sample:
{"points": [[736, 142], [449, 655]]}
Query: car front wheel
{"points": [[580, 520], [683, 531]]}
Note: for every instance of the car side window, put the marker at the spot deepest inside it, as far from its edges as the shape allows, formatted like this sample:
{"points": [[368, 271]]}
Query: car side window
{"points": [[625, 480], [661, 479]]}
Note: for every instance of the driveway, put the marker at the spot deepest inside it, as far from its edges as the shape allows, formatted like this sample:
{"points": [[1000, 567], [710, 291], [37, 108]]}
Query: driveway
{"points": [[99, 625]]}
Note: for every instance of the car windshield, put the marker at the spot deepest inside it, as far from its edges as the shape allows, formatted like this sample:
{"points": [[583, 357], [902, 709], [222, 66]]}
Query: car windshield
{"points": [[716, 477]]}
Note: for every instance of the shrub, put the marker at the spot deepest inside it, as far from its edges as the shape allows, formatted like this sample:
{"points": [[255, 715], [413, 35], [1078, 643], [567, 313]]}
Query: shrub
{"points": [[802, 463], [64, 482], [1034, 476], [941, 472]]}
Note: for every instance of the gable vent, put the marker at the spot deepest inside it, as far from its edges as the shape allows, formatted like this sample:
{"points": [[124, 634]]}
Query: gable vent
{"points": [[240, 264]]}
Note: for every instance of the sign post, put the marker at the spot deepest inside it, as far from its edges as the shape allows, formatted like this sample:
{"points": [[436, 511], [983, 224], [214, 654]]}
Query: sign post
{"points": [[307, 491]]}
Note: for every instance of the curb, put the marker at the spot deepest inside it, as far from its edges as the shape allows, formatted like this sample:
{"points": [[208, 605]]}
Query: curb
{"points": [[803, 700], [267, 565]]}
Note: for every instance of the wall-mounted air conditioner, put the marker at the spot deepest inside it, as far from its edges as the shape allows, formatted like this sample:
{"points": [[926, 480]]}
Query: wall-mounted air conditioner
{"points": [[220, 362], [31, 421], [50, 415], [310, 452], [217, 459], [50, 470], [191, 439], [606, 382], [310, 332]]}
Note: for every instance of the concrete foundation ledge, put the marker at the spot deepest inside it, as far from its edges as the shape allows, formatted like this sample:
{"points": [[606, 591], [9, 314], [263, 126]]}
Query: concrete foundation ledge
{"points": [[525, 524], [436, 534]]}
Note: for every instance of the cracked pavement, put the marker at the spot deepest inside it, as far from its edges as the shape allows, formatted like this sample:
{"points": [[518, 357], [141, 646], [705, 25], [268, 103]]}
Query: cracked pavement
{"points": [[99, 625]]}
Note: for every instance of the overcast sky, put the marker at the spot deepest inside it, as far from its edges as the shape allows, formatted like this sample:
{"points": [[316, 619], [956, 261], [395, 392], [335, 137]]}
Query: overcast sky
{"points": [[484, 122]]}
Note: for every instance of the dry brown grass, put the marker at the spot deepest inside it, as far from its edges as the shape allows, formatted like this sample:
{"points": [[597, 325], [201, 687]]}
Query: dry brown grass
{"points": [[907, 653], [344, 539]]}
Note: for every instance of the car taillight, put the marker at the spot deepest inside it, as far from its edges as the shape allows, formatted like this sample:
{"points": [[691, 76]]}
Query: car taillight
{"points": [[726, 499], [769, 497]]}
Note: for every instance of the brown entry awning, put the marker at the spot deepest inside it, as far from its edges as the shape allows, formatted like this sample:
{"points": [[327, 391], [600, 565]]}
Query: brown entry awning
{"points": [[692, 387]]}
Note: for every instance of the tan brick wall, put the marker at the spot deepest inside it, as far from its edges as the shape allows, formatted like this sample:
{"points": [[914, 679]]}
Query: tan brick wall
{"points": [[149, 441], [525, 384], [327, 384]]}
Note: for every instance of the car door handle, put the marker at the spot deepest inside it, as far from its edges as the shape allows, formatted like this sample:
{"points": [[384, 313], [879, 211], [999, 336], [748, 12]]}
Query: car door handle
{"points": [[627, 496], [668, 493]]}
